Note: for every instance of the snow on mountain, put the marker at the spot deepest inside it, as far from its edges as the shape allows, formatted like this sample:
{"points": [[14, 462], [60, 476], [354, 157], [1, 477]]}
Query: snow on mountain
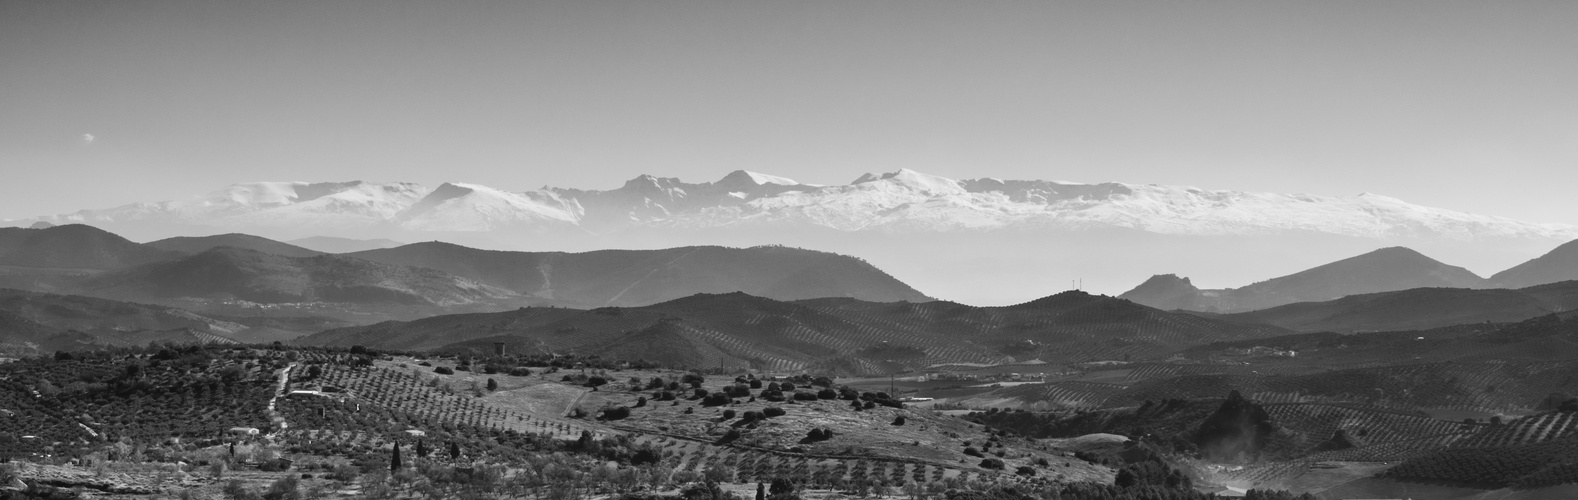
{"points": [[904, 201], [471, 207], [323, 204]]}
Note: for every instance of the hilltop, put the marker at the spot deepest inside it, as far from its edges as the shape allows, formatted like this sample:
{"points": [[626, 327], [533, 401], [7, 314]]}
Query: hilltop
{"points": [[200, 244]]}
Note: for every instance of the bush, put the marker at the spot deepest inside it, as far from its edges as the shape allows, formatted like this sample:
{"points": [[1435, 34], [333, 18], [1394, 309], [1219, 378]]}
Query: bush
{"points": [[971, 451], [728, 414], [772, 411], [693, 379], [899, 420], [992, 463], [715, 399], [443, 370], [615, 413]]}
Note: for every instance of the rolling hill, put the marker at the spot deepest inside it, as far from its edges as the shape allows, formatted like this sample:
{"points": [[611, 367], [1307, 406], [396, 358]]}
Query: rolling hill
{"points": [[200, 244], [1384, 270], [1560, 264], [641, 277], [332, 244], [74, 246], [1417, 309], [248, 275], [838, 335], [112, 322]]}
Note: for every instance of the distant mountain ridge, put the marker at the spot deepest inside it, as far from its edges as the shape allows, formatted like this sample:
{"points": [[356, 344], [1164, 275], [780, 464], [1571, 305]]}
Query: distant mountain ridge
{"points": [[1383, 270], [902, 201], [638, 277], [423, 278], [254, 276], [970, 240]]}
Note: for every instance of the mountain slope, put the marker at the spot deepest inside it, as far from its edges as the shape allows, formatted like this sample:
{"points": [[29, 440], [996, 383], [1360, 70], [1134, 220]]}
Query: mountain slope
{"points": [[832, 334], [1417, 309], [233, 273], [74, 246], [1561, 264], [638, 277], [331, 244], [1383, 270], [200, 244], [20, 336]]}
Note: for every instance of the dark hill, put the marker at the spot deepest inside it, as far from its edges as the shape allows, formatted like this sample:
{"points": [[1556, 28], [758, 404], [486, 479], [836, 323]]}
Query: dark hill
{"points": [[112, 322], [232, 273], [74, 246], [640, 277], [20, 336], [200, 244], [1560, 264], [1384, 270], [842, 334], [1417, 309], [331, 244]]}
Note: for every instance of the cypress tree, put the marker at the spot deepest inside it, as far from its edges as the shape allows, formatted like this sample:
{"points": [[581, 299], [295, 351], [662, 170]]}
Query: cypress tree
{"points": [[454, 450], [394, 460]]}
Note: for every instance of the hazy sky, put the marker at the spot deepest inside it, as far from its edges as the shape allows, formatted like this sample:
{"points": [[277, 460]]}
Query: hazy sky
{"points": [[1464, 105]]}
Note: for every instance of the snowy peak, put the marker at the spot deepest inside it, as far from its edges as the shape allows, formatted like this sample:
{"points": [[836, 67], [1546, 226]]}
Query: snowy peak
{"points": [[902, 201], [912, 180], [741, 178], [473, 207]]}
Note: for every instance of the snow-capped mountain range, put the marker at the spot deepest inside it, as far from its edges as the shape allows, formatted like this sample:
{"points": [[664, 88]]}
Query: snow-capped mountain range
{"points": [[900, 202]]}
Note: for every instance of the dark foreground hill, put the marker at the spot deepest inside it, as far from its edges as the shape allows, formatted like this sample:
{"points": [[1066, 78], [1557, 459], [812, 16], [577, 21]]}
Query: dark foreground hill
{"points": [[1387, 269], [641, 277], [116, 323], [1417, 309], [247, 275], [834, 335], [200, 244]]}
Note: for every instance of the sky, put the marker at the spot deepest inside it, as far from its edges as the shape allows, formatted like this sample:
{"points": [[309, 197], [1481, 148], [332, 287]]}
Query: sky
{"points": [[1463, 105]]}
